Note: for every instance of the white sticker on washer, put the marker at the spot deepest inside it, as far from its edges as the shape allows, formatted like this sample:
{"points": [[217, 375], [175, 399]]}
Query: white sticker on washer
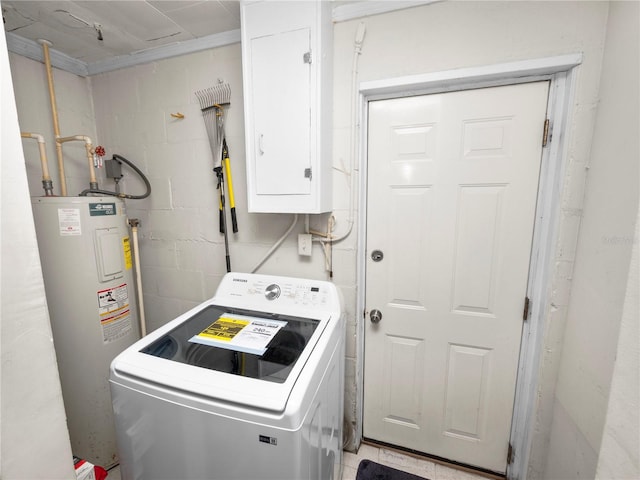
{"points": [[240, 333]]}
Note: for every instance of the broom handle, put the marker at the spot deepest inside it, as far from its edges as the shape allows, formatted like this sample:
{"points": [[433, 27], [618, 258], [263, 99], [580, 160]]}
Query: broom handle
{"points": [[223, 225], [232, 202]]}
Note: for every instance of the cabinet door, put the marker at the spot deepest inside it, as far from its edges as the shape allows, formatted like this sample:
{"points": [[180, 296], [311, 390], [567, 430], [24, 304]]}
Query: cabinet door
{"points": [[280, 79]]}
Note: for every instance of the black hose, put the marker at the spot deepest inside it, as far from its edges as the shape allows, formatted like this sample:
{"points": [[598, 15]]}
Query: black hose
{"points": [[84, 193]]}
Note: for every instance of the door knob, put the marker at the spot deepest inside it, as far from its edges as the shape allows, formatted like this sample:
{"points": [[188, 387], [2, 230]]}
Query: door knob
{"points": [[375, 316]]}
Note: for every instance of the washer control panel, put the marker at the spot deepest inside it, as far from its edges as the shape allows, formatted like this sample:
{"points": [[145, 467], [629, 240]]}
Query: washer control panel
{"points": [[291, 293], [278, 290]]}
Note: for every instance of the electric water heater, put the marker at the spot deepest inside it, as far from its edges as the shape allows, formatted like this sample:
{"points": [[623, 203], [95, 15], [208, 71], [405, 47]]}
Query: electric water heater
{"points": [[87, 266]]}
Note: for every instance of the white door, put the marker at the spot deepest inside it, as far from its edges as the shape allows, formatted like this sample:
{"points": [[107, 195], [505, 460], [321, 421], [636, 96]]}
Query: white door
{"points": [[452, 188]]}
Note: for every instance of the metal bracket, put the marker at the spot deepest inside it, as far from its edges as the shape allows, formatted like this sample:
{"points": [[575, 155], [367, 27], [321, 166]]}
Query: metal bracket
{"points": [[546, 134], [525, 312]]}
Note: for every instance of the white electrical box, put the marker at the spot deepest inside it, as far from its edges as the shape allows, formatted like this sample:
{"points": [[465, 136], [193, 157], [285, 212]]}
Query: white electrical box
{"points": [[287, 77]]}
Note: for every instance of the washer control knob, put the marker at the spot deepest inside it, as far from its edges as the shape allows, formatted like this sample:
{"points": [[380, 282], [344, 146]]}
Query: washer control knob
{"points": [[272, 292]]}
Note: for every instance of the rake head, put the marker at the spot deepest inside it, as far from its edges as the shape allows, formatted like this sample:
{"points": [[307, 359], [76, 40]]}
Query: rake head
{"points": [[211, 101], [217, 95]]}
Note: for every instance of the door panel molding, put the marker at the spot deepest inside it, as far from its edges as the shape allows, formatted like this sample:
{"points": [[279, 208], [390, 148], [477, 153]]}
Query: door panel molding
{"points": [[467, 370]]}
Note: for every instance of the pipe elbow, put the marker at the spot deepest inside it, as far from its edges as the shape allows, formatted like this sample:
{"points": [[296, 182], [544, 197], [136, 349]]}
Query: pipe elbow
{"points": [[35, 136], [78, 138]]}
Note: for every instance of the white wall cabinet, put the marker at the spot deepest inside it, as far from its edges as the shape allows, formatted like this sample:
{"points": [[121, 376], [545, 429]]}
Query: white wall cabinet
{"points": [[287, 77]]}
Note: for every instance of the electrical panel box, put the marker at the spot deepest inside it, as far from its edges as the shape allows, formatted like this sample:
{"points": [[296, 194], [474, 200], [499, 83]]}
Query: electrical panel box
{"points": [[287, 77]]}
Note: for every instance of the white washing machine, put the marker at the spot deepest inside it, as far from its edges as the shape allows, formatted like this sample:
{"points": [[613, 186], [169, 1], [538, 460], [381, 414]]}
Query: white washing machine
{"points": [[248, 385]]}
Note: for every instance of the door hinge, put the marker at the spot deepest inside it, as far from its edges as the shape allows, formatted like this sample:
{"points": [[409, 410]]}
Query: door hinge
{"points": [[308, 173], [525, 313], [510, 454], [306, 58], [546, 138]]}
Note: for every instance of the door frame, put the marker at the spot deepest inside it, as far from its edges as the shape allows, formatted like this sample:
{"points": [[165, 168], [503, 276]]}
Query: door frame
{"points": [[561, 72]]}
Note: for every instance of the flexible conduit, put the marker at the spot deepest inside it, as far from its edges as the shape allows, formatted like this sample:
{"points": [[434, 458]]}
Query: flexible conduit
{"points": [[277, 244], [120, 158]]}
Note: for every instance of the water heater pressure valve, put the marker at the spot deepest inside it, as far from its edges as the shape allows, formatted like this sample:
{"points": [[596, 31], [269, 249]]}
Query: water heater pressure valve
{"points": [[98, 153]]}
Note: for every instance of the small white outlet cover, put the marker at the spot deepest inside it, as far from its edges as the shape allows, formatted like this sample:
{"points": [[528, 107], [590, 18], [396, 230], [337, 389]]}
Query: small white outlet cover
{"points": [[304, 244]]}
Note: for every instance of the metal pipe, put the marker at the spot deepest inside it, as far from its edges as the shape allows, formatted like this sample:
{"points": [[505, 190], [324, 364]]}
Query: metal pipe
{"points": [[54, 113], [134, 222], [47, 184]]}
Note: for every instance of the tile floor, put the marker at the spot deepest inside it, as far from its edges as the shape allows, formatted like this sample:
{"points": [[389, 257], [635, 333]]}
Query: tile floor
{"points": [[407, 463]]}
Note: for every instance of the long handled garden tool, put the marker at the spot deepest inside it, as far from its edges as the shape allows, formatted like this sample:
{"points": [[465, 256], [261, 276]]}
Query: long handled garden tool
{"points": [[223, 217], [224, 158], [212, 101], [227, 169]]}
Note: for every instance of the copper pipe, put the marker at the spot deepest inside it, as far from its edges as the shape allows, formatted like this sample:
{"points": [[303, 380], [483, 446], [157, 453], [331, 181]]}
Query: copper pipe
{"points": [[54, 113], [89, 148], [47, 184]]}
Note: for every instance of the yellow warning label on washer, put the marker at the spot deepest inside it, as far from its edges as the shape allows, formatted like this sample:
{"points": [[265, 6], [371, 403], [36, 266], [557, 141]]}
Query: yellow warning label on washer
{"points": [[224, 329], [126, 247]]}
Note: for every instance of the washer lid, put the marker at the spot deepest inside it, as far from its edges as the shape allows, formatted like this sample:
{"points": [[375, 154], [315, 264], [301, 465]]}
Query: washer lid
{"points": [[237, 342], [173, 359]]}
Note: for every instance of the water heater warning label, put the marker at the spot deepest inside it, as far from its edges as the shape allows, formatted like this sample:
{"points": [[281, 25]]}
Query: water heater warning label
{"points": [[114, 312], [69, 221], [126, 247]]}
